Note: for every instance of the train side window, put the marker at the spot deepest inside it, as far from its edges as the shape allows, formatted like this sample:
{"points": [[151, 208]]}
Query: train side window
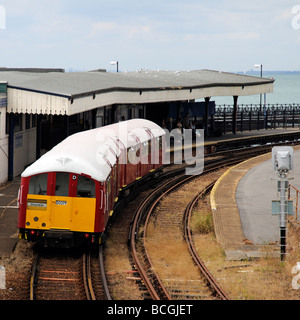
{"points": [[62, 184], [38, 184], [158, 143], [131, 155], [145, 150], [85, 187]]}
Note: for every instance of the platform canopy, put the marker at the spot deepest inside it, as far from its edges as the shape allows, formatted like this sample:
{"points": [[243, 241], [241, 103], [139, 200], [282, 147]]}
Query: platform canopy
{"points": [[60, 93]]}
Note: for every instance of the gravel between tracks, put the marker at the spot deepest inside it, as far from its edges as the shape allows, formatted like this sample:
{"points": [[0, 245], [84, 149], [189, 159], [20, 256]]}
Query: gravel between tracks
{"points": [[17, 270]]}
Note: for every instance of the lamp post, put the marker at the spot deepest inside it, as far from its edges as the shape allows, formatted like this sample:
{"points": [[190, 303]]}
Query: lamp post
{"points": [[261, 72], [115, 63]]}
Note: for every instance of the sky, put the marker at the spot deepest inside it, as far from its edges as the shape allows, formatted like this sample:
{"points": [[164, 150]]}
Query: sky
{"points": [[226, 35]]}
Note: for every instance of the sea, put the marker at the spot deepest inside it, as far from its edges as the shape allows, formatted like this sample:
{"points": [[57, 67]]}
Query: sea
{"points": [[286, 89]]}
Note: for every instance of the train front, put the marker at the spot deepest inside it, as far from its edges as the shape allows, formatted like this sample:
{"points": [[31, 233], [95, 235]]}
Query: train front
{"points": [[60, 198]]}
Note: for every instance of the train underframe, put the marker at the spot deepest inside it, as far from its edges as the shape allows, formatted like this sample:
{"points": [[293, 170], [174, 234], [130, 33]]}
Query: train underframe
{"points": [[61, 238]]}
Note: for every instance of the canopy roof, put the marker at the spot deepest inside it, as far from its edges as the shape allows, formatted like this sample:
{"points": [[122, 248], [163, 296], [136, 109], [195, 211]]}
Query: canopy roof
{"points": [[73, 92]]}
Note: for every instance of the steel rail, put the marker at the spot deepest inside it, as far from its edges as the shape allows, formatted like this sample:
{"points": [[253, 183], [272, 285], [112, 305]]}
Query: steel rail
{"points": [[212, 282], [151, 201], [103, 274], [33, 277], [87, 277], [133, 234]]}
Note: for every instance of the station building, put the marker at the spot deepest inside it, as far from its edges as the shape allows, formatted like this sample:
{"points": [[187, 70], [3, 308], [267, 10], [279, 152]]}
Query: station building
{"points": [[41, 107]]}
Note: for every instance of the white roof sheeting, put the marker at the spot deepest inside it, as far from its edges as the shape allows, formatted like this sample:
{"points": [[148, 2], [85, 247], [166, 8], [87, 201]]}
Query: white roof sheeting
{"points": [[90, 152]]}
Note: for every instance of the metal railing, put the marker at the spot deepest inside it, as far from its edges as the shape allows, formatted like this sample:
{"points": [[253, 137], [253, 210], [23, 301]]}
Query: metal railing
{"points": [[257, 117]]}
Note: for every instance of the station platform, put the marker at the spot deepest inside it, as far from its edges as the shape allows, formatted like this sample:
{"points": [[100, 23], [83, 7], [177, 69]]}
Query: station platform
{"points": [[250, 134], [8, 217], [247, 138], [241, 140], [241, 203]]}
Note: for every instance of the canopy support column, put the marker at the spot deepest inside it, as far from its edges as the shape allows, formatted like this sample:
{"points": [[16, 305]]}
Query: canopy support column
{"points": [[234, 115], [206, 116]]}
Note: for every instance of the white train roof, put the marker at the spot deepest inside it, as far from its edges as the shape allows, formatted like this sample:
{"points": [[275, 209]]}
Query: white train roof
{"points": [[93, 152]]}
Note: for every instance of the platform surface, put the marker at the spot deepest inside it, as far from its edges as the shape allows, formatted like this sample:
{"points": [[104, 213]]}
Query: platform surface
{"points": [[8, 217], [241, 203], [254, 196], [251, 134]]}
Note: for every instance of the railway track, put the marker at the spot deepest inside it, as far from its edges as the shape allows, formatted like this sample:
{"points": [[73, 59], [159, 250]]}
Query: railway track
{"points": [[211, 281], [138, 238], [164, 288], [46, 279], [68, 275]]}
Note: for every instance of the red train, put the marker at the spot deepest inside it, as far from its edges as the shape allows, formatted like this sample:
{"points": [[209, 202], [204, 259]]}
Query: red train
{"points": [[68, 195]]}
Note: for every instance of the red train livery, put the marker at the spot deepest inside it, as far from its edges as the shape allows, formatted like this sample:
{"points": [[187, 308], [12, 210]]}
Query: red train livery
{"points": [[67, 196]]}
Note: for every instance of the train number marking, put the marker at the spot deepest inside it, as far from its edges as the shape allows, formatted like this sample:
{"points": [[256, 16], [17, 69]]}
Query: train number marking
{"points": [[61, 203]]}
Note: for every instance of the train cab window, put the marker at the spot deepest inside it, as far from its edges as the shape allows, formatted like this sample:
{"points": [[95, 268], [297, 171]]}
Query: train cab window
{"points": [[85, 187], [62, 184], [38, 184]]}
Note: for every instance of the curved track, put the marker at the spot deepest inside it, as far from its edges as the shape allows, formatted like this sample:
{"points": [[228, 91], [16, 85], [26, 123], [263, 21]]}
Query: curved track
{"points": [[140, 255], [142, 259], [70, 278], [212, 283]]}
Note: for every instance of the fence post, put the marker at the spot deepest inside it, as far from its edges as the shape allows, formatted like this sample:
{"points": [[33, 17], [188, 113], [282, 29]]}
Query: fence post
{"points": [[250, 120], [293, 117], [224, 117], [242, 119], [234, 115]]}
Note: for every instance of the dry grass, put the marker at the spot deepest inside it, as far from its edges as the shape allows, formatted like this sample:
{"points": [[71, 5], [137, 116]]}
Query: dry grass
{"points": [[263, 279], [169, 255], [202, 221]]}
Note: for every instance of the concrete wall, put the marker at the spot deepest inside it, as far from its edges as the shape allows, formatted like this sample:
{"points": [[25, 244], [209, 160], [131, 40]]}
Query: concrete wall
{"points": [[3, 159], [24, 149], [3, 138]]}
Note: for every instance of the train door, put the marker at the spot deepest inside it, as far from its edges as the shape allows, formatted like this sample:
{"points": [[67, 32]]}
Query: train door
{"points": [[84, 203], [145, 164], [152, 156], [133, 167], [73, 204], [159, 151], [115, 183], [61, 203], [109, 196], [121, 164]]}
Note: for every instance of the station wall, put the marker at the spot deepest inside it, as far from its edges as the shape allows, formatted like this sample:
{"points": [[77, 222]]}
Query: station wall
{"points": [[3, 159], [24, 150], [3, 135]]}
